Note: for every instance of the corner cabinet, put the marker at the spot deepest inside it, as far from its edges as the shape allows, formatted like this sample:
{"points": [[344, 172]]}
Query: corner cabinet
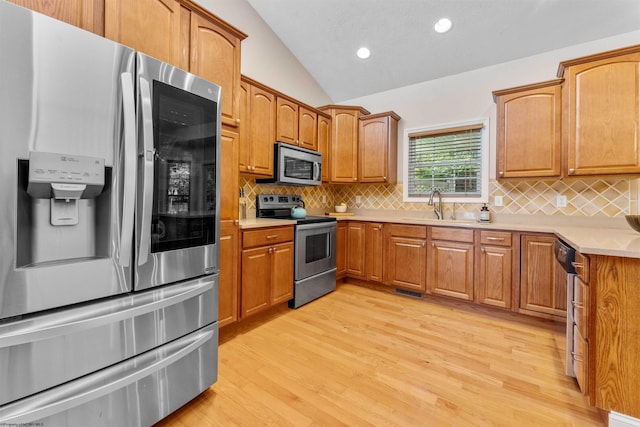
{"points": [[601, 101], [345, 122], [267, 268], [529, 130], [378, 148]]}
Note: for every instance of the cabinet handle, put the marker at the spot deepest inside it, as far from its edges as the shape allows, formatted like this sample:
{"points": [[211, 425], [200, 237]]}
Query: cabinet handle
{"points": [[424, 244], [272, 236], [355, 179], [576, 356], [384, 177], [483, 250], [433, 245], [576, 304], [501, 173], [577, 264], [270, 250], [499, 239], [238, 121], [572, 170]]}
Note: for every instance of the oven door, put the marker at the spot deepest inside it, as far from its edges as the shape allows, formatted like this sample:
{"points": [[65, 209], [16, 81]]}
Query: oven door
{"points": [[178, 198], [315, 246]]}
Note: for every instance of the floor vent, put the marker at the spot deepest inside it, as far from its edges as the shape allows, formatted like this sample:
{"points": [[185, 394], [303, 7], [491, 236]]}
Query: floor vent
{"points": [[409, 293]]}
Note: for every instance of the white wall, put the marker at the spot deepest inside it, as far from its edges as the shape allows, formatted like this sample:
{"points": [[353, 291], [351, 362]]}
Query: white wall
{"points": [[467, 96], [264, 57]]}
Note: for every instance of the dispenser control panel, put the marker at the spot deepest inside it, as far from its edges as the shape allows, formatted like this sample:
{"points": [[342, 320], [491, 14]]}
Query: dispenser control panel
{"points": [[55, 168]]}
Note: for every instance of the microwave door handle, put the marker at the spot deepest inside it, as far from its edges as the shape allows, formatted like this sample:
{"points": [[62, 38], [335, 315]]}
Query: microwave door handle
{"points": [[148, 155], [129, 168], [316, 171]]}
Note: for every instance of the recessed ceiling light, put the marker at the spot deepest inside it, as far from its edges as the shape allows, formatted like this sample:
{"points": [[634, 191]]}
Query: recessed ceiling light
{"points": [[363, 53], [443, 25]]}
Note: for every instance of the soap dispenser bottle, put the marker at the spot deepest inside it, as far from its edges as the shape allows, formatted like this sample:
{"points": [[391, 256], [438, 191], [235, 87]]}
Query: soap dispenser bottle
{"points": [[485, 215]]}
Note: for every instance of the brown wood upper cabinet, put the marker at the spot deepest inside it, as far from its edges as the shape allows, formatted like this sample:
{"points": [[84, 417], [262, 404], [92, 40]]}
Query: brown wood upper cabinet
{"points": [[185, 35], [601, 111], [378, 148], [257, 128], [529, 132], [344, 142], [296, 124], [324, 145], [86, 14]]}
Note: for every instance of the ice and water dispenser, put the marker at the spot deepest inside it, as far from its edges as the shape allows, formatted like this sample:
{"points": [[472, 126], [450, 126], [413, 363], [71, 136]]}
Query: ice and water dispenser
{"points": [[64, 208]]}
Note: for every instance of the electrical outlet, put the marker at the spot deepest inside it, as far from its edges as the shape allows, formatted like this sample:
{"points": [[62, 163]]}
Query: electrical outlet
{"points": [[358, 200], [498, 201], [561, 201]]}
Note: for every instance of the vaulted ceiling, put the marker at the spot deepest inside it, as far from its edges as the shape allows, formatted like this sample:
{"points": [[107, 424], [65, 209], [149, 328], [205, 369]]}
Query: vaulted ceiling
{"points": [[325, 34]]}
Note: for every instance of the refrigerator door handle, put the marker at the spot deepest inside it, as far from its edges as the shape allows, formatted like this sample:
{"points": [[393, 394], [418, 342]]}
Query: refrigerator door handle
{"points": [[148, 155], [129, 167], [66, 322], [102, 383]]}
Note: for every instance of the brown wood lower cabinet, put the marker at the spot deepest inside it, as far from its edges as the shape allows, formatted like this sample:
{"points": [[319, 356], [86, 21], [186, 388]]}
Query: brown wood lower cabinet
{"points": [[267, 268], [373, 252], [228, 283], [405, 260], [494, 280], [355, 249], [341, 250], [451, 261], [542, 289]]}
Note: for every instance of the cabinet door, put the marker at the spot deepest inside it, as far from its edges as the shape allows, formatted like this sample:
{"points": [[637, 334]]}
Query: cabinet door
{"points": [[373, 252], [405, 262], [307, 128], [341, 250], [244, 161], [602, 120], [355, 249], [85, 14], [262, 130], [228, 290], [538, 286], [494, 284], [451, 269], [324, 144], [256, 280], [281, 272], [377, 149], [229, 176], [529, 132], [344, 146], [215, 56], [150, 26], [287, 121]]}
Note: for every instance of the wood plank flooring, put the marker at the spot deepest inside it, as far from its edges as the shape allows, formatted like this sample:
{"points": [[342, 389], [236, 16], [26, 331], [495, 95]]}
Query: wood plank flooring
{"points": [[360, 357]]}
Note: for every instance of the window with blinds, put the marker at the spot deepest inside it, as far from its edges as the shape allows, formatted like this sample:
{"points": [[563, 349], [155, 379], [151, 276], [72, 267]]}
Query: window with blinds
{"points": [[448, 160]]}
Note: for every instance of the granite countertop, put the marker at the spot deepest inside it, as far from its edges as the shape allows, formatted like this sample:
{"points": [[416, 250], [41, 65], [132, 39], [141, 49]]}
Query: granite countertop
{"points": [[595, 236]]}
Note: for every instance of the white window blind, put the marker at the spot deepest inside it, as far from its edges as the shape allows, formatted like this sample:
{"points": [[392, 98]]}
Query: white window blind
{"points": [[448, 160]]}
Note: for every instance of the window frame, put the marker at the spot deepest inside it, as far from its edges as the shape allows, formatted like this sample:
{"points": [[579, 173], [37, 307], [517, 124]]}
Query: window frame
{"points": [[484, 162]]}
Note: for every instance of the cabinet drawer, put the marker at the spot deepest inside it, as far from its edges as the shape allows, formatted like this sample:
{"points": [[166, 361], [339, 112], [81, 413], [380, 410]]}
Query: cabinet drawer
{"points": [[268, 236], [581, 264], [581, 307], [580, 351], [498, 238], [455, 234], [401, 230]]}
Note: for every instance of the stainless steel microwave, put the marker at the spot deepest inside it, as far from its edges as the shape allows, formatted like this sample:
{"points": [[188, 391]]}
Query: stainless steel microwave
{"points": [[295, 166]]}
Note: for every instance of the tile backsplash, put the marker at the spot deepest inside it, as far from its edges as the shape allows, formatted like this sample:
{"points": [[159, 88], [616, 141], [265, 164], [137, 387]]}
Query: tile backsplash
{"points": [[586, 197]]}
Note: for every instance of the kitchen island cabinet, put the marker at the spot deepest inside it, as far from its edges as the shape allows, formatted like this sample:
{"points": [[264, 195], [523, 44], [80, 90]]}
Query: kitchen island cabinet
{"points": [[541, 292], [529, 130], [451, 262], [267, 268], [601, 106], [405, 259]]}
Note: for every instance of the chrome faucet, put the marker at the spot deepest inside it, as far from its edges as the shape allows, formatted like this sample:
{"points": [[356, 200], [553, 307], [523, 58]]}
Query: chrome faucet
{"points": [[437, 207]]}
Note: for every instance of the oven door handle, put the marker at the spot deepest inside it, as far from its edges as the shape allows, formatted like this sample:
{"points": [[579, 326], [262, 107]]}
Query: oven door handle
{"points": [[316, 226]]}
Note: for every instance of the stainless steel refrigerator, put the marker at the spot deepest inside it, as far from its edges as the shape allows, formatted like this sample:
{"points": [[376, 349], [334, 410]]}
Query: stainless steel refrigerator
{"points": [[109, 229]]}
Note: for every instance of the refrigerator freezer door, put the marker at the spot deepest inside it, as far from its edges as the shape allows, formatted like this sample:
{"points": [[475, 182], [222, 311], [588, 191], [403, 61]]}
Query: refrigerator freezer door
{"points": [[61, 93], [90, 337]]}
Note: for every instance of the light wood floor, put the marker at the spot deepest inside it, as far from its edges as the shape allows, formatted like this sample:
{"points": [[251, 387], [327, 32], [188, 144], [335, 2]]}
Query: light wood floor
{"points": [[360, 357]]}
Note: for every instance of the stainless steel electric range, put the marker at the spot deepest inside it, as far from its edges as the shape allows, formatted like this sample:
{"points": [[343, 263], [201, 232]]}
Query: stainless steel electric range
{"points": [[315, 247]]}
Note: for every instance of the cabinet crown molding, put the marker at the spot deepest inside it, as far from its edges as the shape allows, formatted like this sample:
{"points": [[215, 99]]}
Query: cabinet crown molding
{"points": [[596, 57]]}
